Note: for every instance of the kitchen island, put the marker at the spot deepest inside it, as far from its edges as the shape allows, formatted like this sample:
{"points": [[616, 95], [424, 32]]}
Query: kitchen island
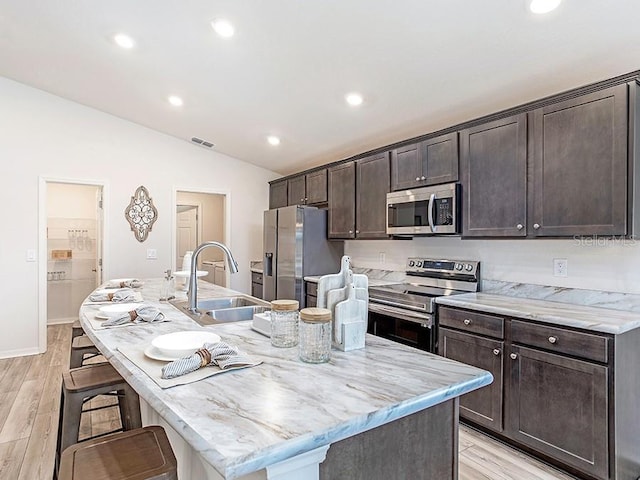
{"points": [[386, 411]]}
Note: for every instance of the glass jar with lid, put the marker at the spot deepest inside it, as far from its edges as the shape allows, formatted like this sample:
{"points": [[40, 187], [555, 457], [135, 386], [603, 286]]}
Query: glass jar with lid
{"points": [[315, 335], [284, 323]]}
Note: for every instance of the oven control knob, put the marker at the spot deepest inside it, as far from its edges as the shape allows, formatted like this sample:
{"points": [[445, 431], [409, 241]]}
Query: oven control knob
{"points": [[468, 267], [458, 266], [419, 263], [411, 263]]}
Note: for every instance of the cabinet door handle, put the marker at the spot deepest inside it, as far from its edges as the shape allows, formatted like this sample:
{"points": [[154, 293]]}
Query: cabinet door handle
{"points": [[466, 321], [423, 178], [553, 339], [417, 179], [496, 352], [350, 231], [536, 226], [357, 231], [513, 356], [519, 226]]}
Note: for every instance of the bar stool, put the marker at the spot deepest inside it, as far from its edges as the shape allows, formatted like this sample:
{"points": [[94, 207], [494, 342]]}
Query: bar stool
{"points": [[76, 329], [81, 346], [141, 454], [89, 381]]}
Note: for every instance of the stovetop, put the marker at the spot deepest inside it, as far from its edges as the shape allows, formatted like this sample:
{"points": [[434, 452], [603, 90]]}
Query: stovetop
{"points": [[426, 280]]}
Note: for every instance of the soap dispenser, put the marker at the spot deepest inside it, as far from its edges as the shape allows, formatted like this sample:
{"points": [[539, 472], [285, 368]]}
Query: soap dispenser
{"points": [[168, 287]]}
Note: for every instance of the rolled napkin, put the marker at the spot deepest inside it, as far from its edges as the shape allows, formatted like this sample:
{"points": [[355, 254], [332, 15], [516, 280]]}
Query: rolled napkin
{"points": [[219, 354], [144, 313], [133, 283], [120, 295]]}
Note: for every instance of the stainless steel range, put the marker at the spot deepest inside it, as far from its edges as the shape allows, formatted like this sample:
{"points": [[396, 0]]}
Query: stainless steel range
{"points": [[405, 312]]}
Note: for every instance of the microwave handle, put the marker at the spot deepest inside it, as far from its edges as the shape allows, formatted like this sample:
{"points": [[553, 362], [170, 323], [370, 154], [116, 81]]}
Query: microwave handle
{"points": [[432, 199]]}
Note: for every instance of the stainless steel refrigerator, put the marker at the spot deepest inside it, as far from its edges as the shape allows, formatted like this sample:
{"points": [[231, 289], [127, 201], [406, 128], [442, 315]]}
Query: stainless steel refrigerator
{"points": [[295, 246]]}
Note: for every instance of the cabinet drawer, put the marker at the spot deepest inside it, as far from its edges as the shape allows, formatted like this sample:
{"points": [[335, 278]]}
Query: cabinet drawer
{"points": [[312, 288], [256, 277], [578, 344], [474, 322]]}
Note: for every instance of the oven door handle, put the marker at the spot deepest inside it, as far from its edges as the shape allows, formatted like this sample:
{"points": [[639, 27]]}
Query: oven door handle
{"points": [[432, 199], [402, 306], [424, 320]]}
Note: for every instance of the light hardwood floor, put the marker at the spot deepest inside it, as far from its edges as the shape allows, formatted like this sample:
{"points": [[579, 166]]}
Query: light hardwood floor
{"points": [[30, 401]]}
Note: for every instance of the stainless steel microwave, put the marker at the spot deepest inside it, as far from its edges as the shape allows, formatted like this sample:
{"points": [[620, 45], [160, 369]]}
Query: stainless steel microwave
{"points": [[424, 211]]}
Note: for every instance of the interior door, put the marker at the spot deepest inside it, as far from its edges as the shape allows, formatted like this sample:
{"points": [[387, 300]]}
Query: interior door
{"points": [[99, 222], [186, 231]]}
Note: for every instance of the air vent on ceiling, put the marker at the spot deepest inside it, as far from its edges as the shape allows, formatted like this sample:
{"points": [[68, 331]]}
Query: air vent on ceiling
{"points": [[202, 142]]}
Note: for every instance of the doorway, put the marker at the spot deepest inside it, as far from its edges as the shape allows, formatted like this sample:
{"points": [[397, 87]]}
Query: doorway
{"points": [[201, 217], [71, 229]]}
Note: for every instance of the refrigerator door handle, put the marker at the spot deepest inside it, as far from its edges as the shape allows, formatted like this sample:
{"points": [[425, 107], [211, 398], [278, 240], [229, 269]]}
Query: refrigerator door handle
{"points": [[268, 264]]}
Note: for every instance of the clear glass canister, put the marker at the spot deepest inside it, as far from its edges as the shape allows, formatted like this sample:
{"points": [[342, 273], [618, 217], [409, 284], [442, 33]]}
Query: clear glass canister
{"points": [[284, 323], [315, 335]]}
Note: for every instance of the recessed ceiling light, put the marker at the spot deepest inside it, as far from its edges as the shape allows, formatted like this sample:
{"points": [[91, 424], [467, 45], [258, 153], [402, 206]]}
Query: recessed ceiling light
{"points": [[543, 6], [175, 101], [125, 41], [354, 99], [223, 27], [273, 140]]}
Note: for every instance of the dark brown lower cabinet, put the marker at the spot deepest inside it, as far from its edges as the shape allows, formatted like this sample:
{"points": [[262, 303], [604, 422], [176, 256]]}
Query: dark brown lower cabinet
{"points": [[483, 406], [311, 294], [256, 285], [566, 395], [558, 406]]}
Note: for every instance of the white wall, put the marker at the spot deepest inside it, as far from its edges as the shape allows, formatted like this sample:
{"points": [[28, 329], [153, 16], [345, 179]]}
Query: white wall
{"points": [[596, 264], [42, 135]]}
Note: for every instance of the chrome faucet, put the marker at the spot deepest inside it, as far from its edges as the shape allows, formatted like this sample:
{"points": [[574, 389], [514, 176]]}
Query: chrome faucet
{"points": [[192, 294]]}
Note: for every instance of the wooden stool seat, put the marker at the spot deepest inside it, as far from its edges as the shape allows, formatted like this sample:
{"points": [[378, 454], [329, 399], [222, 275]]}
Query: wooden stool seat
{"points": [[141, 454], [81, 346], [76, 329], [89, 381], [90, 377]]}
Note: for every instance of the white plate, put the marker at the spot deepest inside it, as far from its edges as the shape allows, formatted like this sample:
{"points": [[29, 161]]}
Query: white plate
{"points": [[118, 308], [155, 354], [185, 274], [182, 344]]}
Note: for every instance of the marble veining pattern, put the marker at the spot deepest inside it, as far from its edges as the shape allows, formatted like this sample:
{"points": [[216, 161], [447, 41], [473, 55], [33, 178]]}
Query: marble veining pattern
{"points": [[242, 421], [566, 314], [594, 298]]}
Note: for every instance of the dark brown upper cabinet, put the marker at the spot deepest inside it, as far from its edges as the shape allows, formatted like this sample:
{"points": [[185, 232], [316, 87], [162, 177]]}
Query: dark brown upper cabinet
{"points": [[278, 194], [429, 162], [316, 187], [372, 185], [297, 191], [342, 201], [308, 189], [493, 171], [580, 165], [357, 198]]}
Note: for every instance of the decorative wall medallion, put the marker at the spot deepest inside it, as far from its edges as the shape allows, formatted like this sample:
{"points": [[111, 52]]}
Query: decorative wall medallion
{"points": [[141, 213]]}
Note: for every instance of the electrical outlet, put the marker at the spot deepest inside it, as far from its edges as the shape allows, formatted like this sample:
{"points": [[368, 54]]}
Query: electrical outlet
{"points": [[31, 255], [152, 254], [382, 257], [560, 266]]}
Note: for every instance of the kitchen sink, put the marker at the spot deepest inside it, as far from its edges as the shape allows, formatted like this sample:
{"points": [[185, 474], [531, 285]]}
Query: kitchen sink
{"points": [[235, 314], [228, 302], [224, 309]]}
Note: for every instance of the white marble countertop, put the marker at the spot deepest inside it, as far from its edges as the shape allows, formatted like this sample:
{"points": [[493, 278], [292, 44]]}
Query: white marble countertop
{"points": [[373, 282], [567, 314], [244, 420]]}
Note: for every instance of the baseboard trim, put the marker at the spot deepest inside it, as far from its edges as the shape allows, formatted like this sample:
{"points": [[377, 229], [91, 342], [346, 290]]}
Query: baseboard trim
{"points": [[61, 321], [21, 352]]}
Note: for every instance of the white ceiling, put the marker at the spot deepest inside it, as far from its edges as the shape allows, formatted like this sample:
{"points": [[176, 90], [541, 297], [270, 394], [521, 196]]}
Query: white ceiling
{"points": [[422, 65]]}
